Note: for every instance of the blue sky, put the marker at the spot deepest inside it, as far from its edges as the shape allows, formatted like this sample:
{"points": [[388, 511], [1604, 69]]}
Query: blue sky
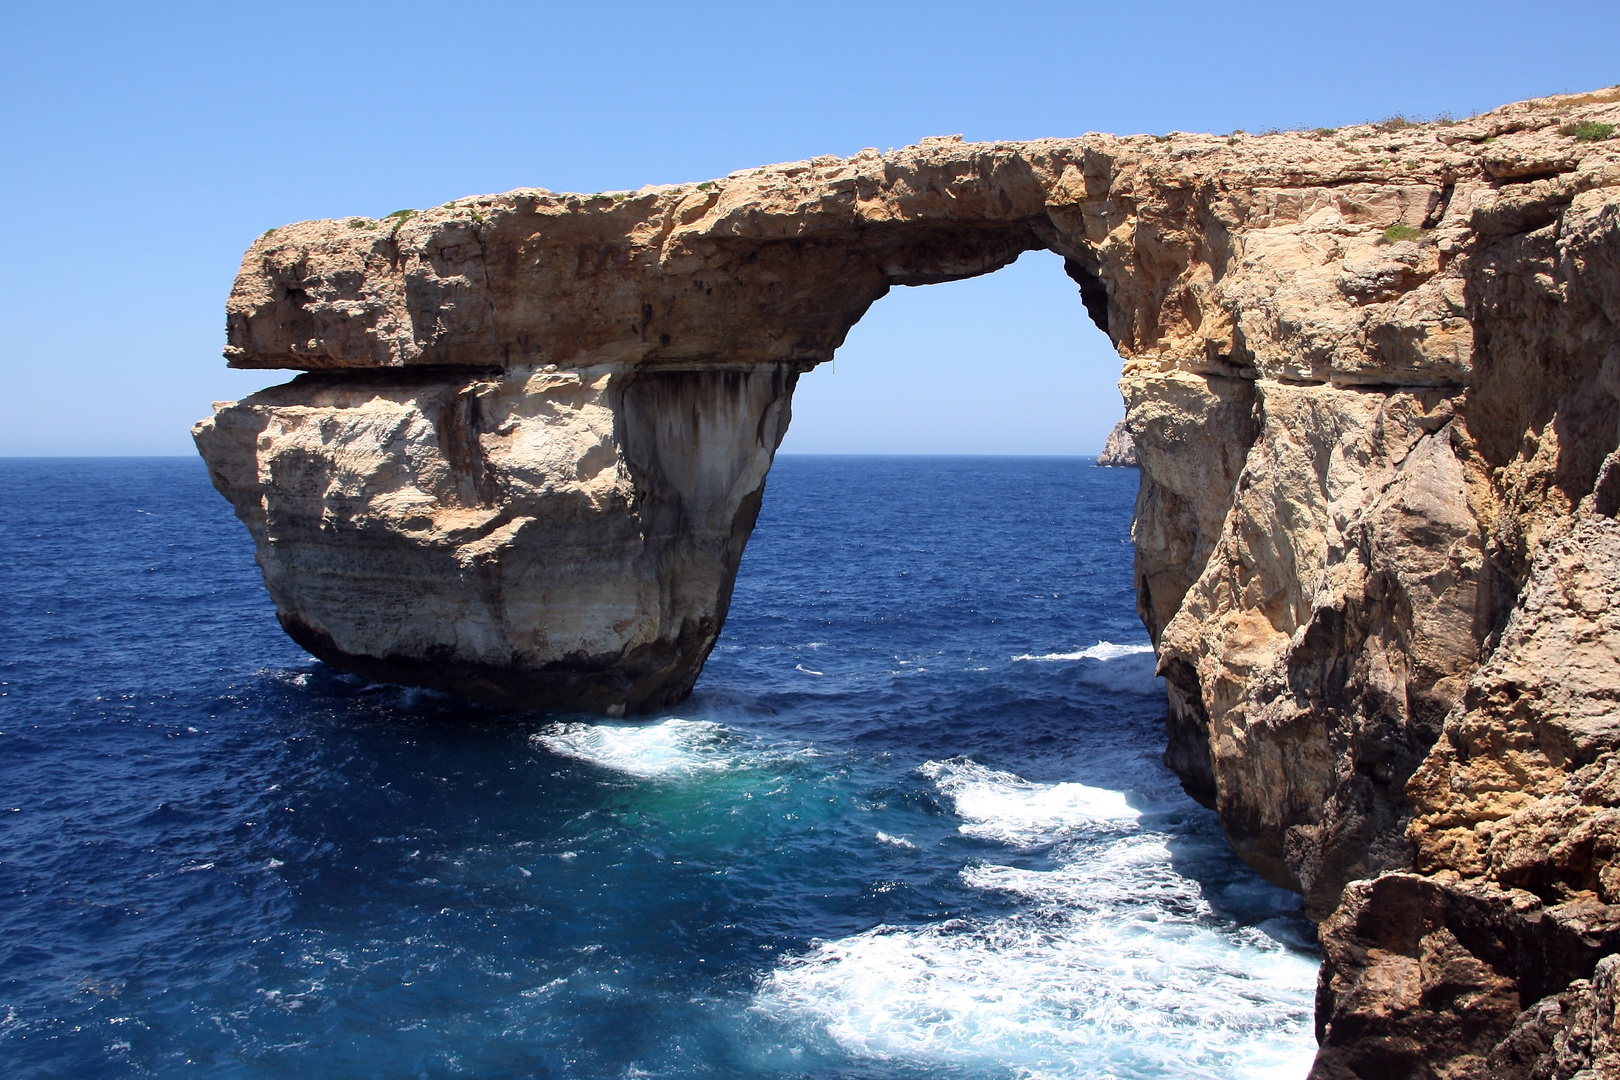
{"points": [[147, 145]]}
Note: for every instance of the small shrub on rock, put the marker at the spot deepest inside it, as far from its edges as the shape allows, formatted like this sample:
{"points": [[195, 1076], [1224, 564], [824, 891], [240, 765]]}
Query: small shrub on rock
{"points": [[1588, 131]]}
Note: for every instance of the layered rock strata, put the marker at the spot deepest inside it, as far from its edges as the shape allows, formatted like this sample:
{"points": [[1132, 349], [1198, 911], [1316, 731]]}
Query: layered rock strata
{"points": [[1373, 381]]}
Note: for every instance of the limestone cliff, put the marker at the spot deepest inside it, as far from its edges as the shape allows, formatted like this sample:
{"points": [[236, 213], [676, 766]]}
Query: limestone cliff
{"points": [[1119, 451], [1373, 380], [533, 538]]}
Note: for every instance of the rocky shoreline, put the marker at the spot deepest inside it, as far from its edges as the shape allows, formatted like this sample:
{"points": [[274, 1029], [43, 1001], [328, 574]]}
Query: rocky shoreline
{"points": [[1372, 377]]}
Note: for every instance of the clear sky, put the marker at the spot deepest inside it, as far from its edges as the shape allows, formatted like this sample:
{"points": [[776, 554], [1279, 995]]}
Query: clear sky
{"points": [[146, 145]]}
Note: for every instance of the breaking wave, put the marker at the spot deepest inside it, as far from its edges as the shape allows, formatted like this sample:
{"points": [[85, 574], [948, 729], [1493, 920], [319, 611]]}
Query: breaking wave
{"points": [[1122, 668], [1103, 650], [1004, 807], [1111, 963], [672, 749]]}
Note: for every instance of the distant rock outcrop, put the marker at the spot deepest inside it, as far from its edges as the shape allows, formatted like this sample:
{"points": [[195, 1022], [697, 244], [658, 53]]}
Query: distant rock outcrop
{"points": [[1372, 377], [1119, 451]]}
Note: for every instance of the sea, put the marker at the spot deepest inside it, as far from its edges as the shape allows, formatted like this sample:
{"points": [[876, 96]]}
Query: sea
{"points": [[913, 822]]}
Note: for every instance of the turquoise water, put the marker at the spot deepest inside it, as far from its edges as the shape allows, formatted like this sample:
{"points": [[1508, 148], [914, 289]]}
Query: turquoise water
{"points": [[912, 823]]}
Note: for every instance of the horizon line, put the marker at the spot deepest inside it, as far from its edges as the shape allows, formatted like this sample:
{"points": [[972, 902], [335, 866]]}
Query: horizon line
{"points": [[7, 456]]}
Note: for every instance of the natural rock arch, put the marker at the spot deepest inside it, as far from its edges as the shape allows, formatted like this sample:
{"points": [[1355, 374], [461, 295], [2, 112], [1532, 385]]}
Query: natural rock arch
{"points": [[1372, 380]]}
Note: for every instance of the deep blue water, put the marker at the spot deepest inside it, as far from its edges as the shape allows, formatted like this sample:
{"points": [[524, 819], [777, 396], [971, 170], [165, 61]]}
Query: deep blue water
{"points": [[912, 824]]}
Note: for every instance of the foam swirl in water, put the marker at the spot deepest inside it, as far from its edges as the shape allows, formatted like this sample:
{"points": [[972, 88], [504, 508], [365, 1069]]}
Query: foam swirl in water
{"points": [[1112, 963], [1005, 807], [672, 749]]}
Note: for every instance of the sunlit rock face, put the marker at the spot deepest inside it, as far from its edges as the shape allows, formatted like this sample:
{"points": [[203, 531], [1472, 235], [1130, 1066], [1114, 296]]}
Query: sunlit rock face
{"points": [[1119, 451], [530, 538], [1373, 381]]}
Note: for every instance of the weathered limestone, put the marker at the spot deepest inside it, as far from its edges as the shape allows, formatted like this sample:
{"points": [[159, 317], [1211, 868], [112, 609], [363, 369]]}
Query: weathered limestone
{"points": [[1373, 381], [1518, 827], [1119, 450], [532, 538], [1331, 629]]}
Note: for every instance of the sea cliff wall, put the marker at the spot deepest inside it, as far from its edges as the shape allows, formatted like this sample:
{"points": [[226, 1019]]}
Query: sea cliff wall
{"points": [[1373, 380]]}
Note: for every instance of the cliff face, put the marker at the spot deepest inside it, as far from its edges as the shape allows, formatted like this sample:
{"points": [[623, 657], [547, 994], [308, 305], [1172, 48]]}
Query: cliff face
{"points": [[1373, 379], [536, 538], [1119, 451]]}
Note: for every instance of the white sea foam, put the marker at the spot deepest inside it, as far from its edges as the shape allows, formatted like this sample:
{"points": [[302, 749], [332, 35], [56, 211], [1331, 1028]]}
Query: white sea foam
{"points": [[672, 749], [1007, 808], [1111, 965], [1122, 668], [1103, 650]]}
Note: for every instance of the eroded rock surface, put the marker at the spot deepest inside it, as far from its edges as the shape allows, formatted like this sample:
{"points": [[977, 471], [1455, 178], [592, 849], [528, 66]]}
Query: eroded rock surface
{"points": [[1119, 449], [530, 538], [1373, 381]]}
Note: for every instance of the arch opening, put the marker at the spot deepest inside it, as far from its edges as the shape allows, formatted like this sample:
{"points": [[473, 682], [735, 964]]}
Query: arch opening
{"points": [[1002, 363], [956, 633]]}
